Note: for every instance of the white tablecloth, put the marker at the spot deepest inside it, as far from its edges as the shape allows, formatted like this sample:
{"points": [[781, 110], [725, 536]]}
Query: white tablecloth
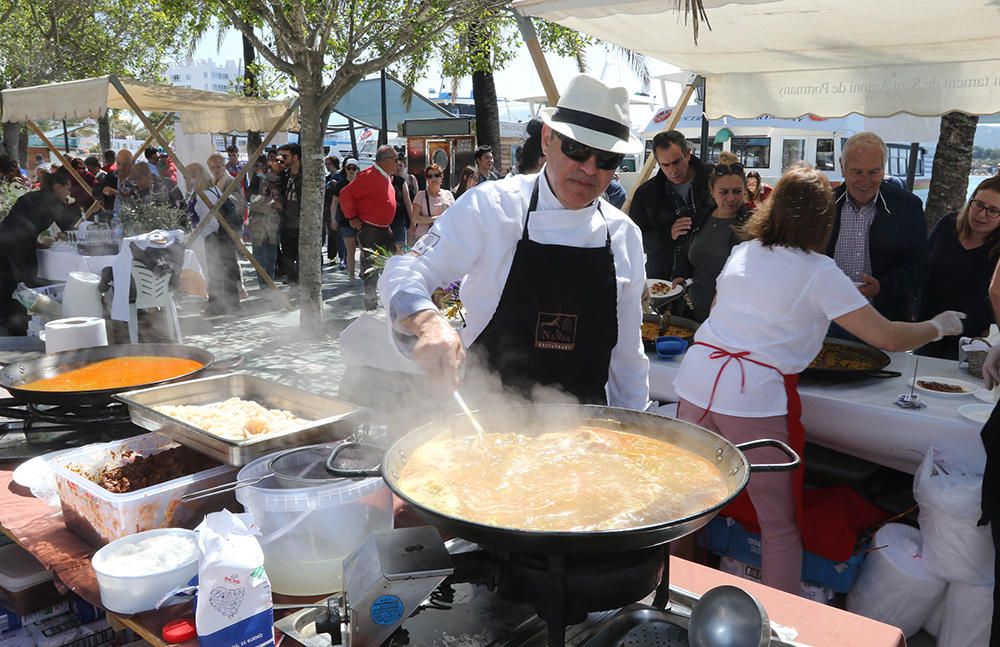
{"points": [[56, 264], [860, 417]]}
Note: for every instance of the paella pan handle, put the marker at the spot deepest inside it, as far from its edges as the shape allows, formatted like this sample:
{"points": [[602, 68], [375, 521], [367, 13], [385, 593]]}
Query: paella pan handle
{"points": [[882, 373], [226, 364], [772, 467], [353, 472]]}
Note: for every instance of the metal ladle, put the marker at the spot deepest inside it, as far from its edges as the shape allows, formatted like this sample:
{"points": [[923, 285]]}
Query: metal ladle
{"points": [[727, 616]]}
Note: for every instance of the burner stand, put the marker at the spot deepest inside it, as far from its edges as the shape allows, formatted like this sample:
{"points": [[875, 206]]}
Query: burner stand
{"points": [[565, 588]]}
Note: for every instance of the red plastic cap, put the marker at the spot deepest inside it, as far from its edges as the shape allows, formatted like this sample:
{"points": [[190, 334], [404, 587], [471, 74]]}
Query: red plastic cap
{"points": [[178, 631]]}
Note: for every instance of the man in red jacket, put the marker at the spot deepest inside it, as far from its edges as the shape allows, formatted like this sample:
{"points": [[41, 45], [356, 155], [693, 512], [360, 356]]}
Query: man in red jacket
{"points": [[369, 204]]}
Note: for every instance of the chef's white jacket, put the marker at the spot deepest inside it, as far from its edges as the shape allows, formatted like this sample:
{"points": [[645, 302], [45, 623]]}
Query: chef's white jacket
{"points": [[476, 239]]}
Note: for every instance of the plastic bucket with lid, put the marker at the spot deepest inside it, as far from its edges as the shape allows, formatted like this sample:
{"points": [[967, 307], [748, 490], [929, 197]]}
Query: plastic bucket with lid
{"points": [[308, 531]]}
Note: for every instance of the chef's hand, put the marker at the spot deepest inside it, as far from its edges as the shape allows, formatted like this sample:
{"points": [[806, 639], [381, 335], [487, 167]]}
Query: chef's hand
{"points": [[869, 286], [680, 227], [438, 351], [356, 223], [108, 191], [677, 281], [991, 367], [947, 323]]}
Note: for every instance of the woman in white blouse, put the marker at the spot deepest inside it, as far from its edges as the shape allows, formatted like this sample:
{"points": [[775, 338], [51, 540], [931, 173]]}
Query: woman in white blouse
{"points": [[775, 299], [428, 204]]}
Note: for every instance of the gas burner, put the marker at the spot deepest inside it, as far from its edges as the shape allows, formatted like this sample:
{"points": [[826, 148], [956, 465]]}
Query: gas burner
{"points": [[584, 583], [31, 429]]}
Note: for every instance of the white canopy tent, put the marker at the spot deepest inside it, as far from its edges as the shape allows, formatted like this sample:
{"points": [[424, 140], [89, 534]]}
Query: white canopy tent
{"points": [[200, 111], [788, 58]]}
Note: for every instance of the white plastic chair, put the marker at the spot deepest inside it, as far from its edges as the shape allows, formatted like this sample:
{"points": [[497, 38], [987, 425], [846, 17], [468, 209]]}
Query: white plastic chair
{"points": [[152, 291]]}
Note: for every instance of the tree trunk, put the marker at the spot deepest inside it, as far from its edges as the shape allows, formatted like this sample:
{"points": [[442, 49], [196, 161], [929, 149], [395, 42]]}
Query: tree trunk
{"points": [[22, 147], [952, 163], [311, 219], [104, 134], [484, 93], [250, 89], [11, 138]]}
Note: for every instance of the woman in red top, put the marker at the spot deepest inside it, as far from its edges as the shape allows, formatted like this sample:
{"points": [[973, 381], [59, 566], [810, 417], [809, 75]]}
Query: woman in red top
{"points": [[757, 191]]}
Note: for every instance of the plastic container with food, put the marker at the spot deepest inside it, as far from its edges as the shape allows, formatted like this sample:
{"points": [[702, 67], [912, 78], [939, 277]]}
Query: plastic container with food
{"points": [[134, 573], [100, 516], [308, 531], [25, 584]]}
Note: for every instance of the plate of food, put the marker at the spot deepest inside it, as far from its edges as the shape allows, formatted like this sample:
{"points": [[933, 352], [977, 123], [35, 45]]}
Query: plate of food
{"points": [[661, 289], [946, 386], [978, 413]]}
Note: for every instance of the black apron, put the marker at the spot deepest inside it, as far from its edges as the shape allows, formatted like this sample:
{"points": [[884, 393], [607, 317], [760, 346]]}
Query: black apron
{"points": [[991, 508], [557, 320]]}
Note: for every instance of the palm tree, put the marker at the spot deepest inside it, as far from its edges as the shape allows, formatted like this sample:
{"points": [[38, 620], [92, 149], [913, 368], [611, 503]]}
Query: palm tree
{"points": [[952, 162]]}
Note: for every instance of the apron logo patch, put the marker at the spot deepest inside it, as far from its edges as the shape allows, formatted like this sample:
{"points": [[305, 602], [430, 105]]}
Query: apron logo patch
{"points": [[555, 331], [424, 244]]}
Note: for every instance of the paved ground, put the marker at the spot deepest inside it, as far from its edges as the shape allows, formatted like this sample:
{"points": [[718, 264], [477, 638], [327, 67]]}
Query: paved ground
{"points": [[270, 340]]}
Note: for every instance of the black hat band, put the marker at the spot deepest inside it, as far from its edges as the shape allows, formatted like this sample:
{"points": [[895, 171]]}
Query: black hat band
{"points": [[592, 122]]}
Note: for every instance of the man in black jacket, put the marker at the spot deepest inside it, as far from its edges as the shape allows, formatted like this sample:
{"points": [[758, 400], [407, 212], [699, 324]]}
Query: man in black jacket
{"points": [[669, 198], [879, 236]]}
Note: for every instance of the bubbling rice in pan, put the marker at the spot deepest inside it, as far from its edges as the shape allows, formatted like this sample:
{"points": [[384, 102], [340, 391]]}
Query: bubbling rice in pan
{"points": [[234, 419]]}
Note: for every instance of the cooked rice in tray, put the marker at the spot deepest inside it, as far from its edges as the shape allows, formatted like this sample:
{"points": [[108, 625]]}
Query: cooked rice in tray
{"points": [[234, 419]]}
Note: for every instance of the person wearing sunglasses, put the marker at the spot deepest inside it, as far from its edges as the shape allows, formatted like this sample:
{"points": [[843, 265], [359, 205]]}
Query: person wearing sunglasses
{"points": [[428, 204], [676, 193], [879, 236], [962, 267], [553, 274], [714, 234]]}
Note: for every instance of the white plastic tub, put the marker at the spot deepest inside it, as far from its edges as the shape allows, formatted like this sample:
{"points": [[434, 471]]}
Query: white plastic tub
{"points": [[99, 516], [307, 532], [129, 594]]}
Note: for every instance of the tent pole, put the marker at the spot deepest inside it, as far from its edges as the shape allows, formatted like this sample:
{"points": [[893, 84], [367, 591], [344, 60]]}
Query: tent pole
{"points": [[62, 158], [530, 37], [704, 123], [354, 138], [675, 116], [149, 139], [911, 165], [214, 209], [65, 137], [383, 135]]}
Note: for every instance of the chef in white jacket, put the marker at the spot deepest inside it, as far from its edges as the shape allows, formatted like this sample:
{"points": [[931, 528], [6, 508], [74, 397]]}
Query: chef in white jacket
{"points": [[553, 274]]}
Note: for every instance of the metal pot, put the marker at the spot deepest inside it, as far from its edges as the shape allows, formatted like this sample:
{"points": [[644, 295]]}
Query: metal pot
{"points": [[16, 374], [729, 458]]}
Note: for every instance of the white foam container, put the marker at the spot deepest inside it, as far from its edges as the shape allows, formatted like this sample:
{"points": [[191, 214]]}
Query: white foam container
{"points": [[307, 532], [136, 593], [99, 516]]}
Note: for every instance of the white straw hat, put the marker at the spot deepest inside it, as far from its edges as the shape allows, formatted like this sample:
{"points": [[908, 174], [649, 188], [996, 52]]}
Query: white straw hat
{"points": [[593, 114]]}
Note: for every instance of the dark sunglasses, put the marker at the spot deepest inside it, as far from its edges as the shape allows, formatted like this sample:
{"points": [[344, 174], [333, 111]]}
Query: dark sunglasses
{"points": [[351, 168], [604, 160], [431, 176], [728, 169]]}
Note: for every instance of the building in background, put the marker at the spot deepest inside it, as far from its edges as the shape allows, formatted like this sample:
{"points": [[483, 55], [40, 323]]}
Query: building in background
{"points": [[206, 74]]}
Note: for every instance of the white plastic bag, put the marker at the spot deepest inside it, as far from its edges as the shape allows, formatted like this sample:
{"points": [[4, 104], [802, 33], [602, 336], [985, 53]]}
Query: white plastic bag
{"points": [[894, 586], [968, 614], [234, 595], [954, 547]]}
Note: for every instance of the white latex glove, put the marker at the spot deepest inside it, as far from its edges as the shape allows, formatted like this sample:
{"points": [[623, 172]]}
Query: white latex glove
{"points": [[991, 367], [947, 323]]}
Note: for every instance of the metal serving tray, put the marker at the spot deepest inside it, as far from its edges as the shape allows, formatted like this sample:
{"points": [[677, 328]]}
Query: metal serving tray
{"points": [[331, 419]]}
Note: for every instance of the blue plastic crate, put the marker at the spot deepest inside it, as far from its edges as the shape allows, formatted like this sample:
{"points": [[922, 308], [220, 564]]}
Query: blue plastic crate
{"points": [[726, 538]]}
